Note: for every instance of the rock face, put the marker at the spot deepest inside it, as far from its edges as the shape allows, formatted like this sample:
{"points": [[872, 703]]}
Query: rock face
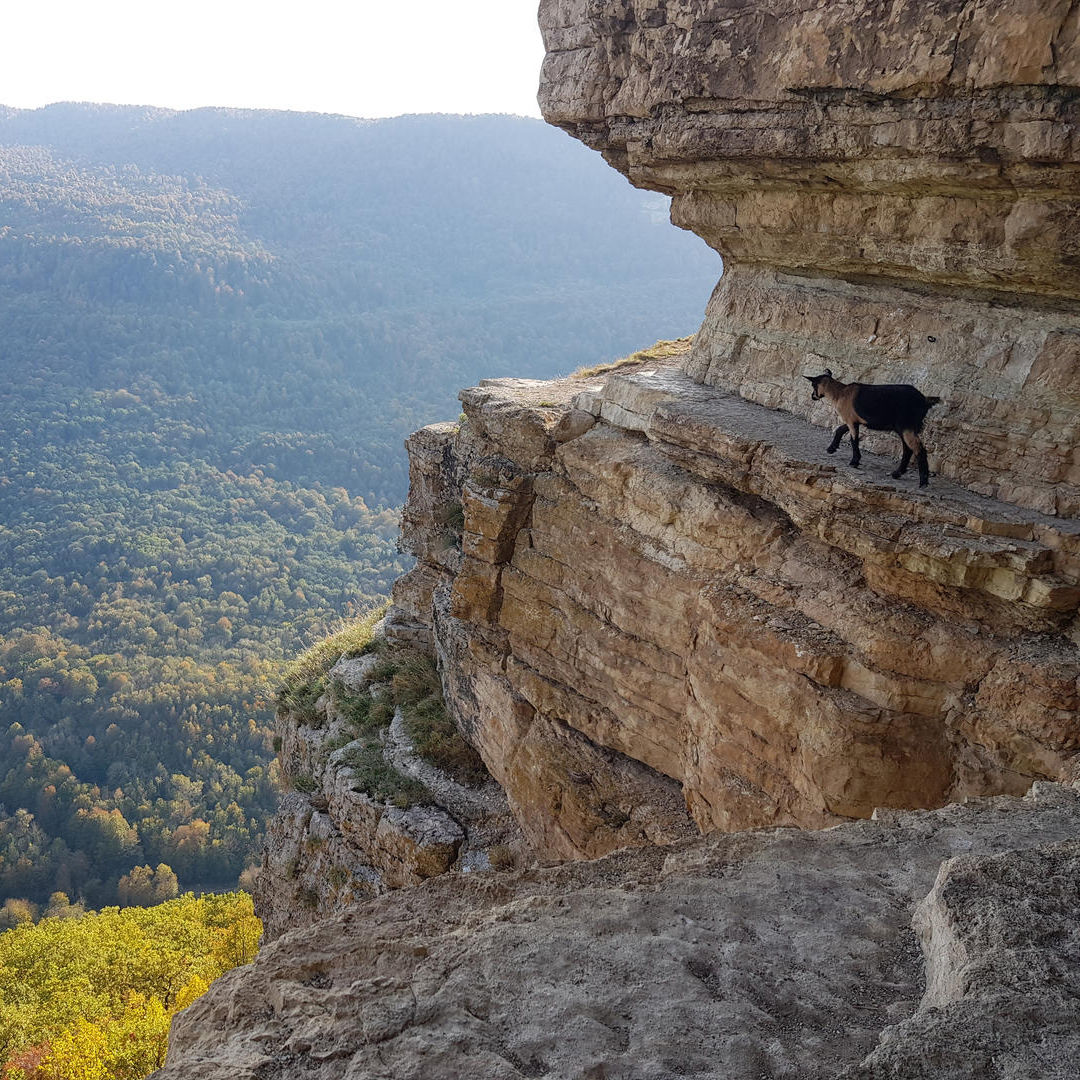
{"points": [[653, 586], [333, 845], [659, 609], [778, 953], [659, 593], [894, 188]]}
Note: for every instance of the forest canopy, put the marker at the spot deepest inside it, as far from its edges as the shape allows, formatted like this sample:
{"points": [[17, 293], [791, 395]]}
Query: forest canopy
{"points": [[89, 996], [217, 327]]}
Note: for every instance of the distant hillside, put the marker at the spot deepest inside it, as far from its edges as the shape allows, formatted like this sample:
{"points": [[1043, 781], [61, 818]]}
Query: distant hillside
{"points": [[289, 270], [216, 329]]}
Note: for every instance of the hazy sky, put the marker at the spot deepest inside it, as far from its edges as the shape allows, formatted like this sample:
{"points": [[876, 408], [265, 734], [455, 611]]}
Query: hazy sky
{"points": [[359, 57]]}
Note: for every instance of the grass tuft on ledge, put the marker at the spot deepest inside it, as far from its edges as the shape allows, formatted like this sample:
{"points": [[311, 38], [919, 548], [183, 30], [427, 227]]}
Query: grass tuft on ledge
{"points": [[662, 350], [376, 777], [417, 691], [305, 678], [399, 678]]}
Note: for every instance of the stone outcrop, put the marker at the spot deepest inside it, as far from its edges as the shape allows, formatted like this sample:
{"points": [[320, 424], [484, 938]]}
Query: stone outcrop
{"points": [[659, 609], [658, 576], [894, 189], [333, 844], [777, 953], [661, 593], [1001, 942]]}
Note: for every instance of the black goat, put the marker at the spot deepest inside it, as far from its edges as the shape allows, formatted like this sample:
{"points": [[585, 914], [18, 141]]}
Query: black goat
{"points": [[896, 407]]}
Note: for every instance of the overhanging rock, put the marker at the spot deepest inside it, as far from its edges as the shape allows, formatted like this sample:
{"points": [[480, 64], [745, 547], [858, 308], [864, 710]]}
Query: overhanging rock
{"points": [[894, 189]]}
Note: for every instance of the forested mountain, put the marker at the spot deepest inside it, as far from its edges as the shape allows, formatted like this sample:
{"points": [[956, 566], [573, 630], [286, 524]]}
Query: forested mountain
{"points": [[216, 328]]}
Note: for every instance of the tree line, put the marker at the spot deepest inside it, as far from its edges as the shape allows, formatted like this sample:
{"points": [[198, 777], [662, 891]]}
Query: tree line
{"points": [[216, 330]]}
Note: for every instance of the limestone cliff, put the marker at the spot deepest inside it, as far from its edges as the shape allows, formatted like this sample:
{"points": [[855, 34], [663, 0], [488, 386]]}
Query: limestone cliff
{"points": [[661, 577], [894, 188], [659, 609], [657, 606], [662, 592]]}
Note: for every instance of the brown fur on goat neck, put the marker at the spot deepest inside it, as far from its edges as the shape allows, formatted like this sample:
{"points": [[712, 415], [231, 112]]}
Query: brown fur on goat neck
{"points": [[895, 407]]}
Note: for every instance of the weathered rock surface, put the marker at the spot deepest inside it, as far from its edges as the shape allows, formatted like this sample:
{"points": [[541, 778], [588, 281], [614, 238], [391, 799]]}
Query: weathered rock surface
{"points": [[1001, 940], [895, 189], [334, 845], [686, 601], [777, 953]]}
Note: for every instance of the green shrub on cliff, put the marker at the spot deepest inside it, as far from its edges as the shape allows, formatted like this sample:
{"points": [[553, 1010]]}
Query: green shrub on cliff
{"points": [[417, 691], [363, 714], [400, 678], [376, 777]]}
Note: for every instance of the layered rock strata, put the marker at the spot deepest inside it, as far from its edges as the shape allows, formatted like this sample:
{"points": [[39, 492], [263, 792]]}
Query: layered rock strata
{"points": [[895, 190], [662, 593], [334, 844], [777, 953]]}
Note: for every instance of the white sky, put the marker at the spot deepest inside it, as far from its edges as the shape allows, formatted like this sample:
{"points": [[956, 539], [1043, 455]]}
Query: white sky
{"points": [[362, 58]]}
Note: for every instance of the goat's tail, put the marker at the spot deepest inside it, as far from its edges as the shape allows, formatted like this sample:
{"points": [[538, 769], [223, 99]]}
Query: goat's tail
{"points": [[930, 403]]}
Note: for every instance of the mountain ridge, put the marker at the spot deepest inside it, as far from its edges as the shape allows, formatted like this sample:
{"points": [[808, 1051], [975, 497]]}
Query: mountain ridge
{"points": [[217, 330]]}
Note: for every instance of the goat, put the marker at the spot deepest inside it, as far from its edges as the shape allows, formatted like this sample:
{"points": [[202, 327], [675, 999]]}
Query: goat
{"points": [[896, 407]]}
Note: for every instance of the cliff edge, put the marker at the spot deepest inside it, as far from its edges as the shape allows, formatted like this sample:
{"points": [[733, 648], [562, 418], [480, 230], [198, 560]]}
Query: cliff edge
{"points": [[894, 189], [659, 609], [666, 608]]}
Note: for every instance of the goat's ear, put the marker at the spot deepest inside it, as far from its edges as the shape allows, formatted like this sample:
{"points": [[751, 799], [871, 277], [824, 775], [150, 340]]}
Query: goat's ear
{"points": [[828, 372], [809, 379]]}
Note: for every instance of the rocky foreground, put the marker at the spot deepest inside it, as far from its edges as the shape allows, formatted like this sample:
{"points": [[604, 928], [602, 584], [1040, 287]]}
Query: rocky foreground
{"points": [[936, 944]]}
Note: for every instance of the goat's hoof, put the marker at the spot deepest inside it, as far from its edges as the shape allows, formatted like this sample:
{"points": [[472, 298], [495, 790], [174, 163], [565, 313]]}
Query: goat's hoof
{"points": [[924, 483], [896, 475], [831, 449], [854, 464]]}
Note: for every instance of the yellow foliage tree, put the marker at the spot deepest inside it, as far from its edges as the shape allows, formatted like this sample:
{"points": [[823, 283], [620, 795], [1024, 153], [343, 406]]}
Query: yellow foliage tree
{"points": [[90, 997]]}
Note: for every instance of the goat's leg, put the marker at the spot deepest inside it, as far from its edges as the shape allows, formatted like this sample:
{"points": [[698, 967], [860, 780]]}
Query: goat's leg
{"points": [[856, 454], [914, 445], [838, 435], [905, 460]]}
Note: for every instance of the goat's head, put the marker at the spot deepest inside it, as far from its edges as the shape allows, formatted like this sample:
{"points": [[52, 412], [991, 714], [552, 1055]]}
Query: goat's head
{"points": [[815, 382]]}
